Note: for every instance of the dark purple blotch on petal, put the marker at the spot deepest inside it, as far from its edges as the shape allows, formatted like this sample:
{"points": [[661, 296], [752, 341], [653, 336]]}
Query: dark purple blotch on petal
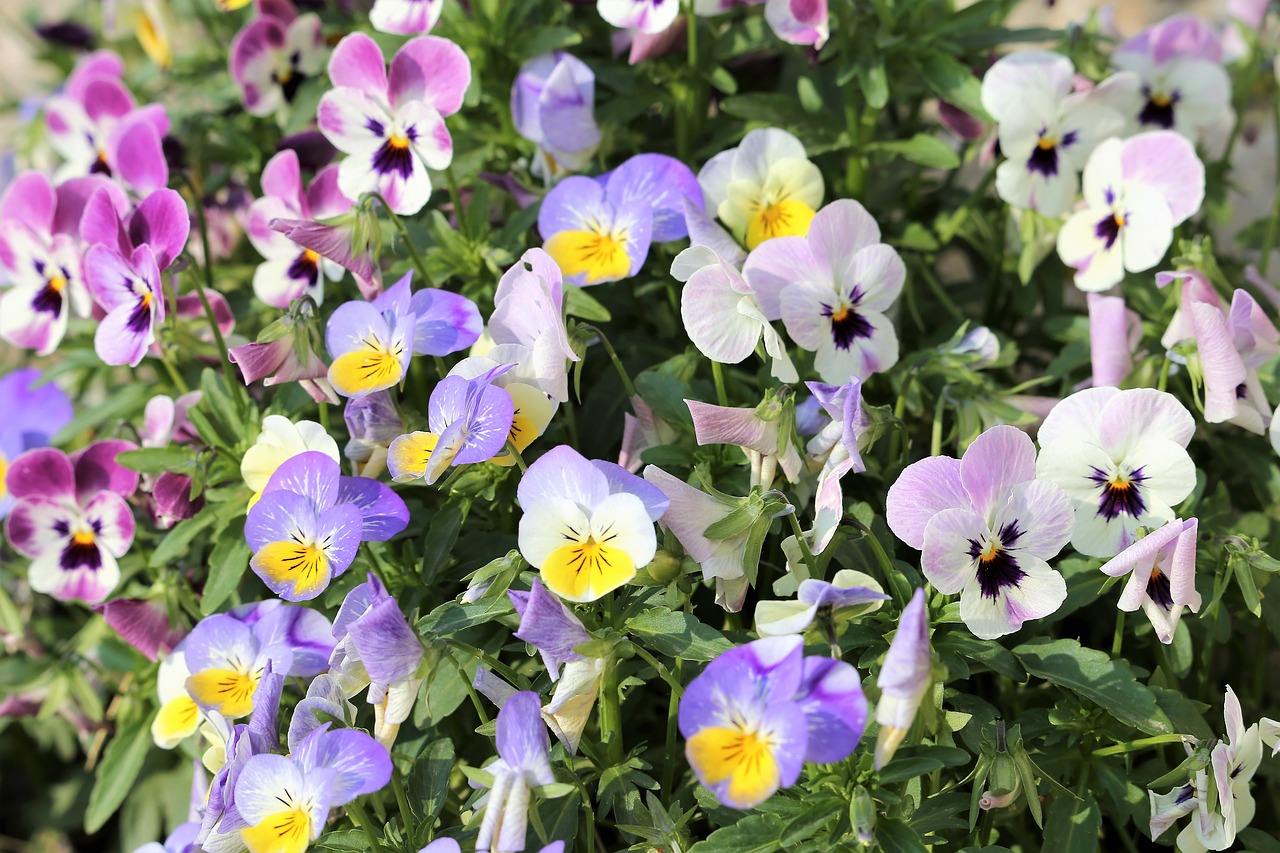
{"points": [[847, 325], [997, 567], [1120, 496]]}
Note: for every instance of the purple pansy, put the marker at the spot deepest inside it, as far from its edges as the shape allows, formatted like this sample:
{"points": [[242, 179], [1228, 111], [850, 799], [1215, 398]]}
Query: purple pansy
{"points": [[71, 518], [549, 626], [986, 527], [524, 763], [34, 412], [794, 21], [285, 352], [904, 679], [527, 324], [274, 55], [552, 106], [344, 242], [1162, 575], [850, 594], [227, 660], [391, 126], [373, 422]]}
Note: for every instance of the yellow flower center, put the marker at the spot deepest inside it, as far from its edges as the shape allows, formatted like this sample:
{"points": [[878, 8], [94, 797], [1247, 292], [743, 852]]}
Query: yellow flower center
{"points": [[373, 367], [312, 257], [782, 218], [1046, 143], [283, 832], [1161, 100], [740, 754], [4, 469], [83, 538], [990, 552], [594, 253], [301, 565], [586, 570], [57, 282], [399, 140], [227, 691], [840, 314]]}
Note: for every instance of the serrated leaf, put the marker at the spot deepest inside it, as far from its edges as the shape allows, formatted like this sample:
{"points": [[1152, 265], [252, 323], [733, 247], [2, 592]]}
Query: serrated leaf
{"points": [[753, 834], [121, 762], [1074, 824], [677, 634]]}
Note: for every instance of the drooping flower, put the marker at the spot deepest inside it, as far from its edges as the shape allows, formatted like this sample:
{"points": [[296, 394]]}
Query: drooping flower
{"points": [[392, 126], [468, 420], [647, 16], [1183, 86], [306, 528], [849, 595], [764, 188], [34, 412], [532, 408], [284, 352], [524, 763], [599, 230], [71, 518], [831, 290], [1136, 192], [1114, 332], [1047, 130], [405, 17], [274, 54], [291, 271], [904, 678], [765, 434], [759, 711], [1162, 575], [347, 241], [1121, 458], [142, 623], [553, 106], [373, 424], [279, 441], [587, 524], [372, 342], [839, 441], [528, 313], [986, 527]]}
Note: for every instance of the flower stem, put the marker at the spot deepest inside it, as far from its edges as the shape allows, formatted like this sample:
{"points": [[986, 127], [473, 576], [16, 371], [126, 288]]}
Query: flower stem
{"points": [[1139, 744], [202, 225], [418, 263], [1117, 639], [673, 714], [515, 454], [677, 689], [611, 714], [717, 373], [627, 384], [174, 376], [402, 802], [355, 810], [1269, 241], [456, 195], [886, 565], [810, 562], [493, 663]]}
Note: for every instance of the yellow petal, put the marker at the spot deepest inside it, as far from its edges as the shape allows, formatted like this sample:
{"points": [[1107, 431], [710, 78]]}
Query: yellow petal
{"points": [[584, 571], [744, 758], [282, 832], [409, 455], [789, 218], [365, 370], [175, 723], [533, 411], [227, 691], [305, 567], [154, 37], [598, 257]]}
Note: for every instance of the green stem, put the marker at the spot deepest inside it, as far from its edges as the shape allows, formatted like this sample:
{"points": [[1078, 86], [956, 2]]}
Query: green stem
{"points": [[402, 802], [1117, 639], [355, 810], [886, 565], [1164, 374], [471, 691], [1139, 744], [935, 439], [515, 454], [669, 762], [810, 561], [627, 384], [677, 689], [234, 380], [493, 663], [463, 225], [418, 263], [717, 373], [174, 376], [611, 714]]}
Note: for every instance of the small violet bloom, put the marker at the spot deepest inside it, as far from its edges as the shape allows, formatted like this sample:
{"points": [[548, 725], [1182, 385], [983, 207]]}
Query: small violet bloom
{"points": [[391, 126], [552, 106], [1136, 192], [1162, 575], [587, 524], [70, 517], [524, 763], [1121, 458], [532, 409], [225, 660], [306, 528], [143, 624], [986, 527], [794, 21], [1184, 87], [839, 441], [34, 412], [371, 342], [904, 678], [599, 229], [274, 54], [759, 711], [849, 595]]}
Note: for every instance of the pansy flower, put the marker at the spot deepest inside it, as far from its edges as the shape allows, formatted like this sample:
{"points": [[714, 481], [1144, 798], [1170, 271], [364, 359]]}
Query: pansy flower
{"points": [[348, 241], [279, 441], [179, 715], [1114, 333], [764, 433], [832, 289], [647, 16], [527, 325], [1046, 129], [553, 106], [274, 54], [532, 408], [1136, 192], [405, 17], [373, 423], [291, 271], [226, 659], [793, 21], [1183, 86], [372, 342], [764, 188], [1121, 458], [306, 528], [524, 763], [847, 596], [905, 678], [587, 524], [391, 126], [142, 623], [71, 519], [34, 412], [986, 527], [1162, 575], [599, 230]]}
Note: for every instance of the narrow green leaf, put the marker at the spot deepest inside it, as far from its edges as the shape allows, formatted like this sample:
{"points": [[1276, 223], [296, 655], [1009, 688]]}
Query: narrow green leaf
{"points": [[179, 538], [954, 83], [810, 822], [441, 536], [156, 460], [922, 148], [895, 836], [121, 762], [579, 303], [227, 562]]}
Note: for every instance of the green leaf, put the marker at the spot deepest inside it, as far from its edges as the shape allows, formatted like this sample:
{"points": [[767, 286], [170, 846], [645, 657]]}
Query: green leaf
{"points": [[753, 834], [987, 652], [1093, 675], [343, 841], [895, 836], [922, 148], [579, 303], [1074, 824], [954, 83], [909, 763], [227, 562], [178, 538], [809, 823], [677, 634], [451, 617], [665, 394], [156, 460], [123, 402], [547, 39], [442, 535], [429, 780], [1257, 841], [874, 83], [121, 762]]}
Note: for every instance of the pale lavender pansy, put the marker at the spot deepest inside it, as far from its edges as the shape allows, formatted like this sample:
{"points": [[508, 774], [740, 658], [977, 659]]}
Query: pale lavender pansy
{"points": [[549, 626], [1121, 458], [71, 518], [1136, 192], [553, 106], [524, 763], [228, 661], [306, 632], [832, 289], [391, 126], [986, 528], [292, 271], [1183, 86], [527, 323], [165, 421], [647, 16], [1114, 333], [847, 596], [1162, 575], [34, 412], [764, 433], [905, 678], [274, 54], [839, 441]]}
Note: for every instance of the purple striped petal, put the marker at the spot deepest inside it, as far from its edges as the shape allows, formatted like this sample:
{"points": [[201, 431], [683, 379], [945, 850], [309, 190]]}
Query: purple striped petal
{"points": [[360, 764], [383, 511], [313, 474], [390, 649], [96, 469], [277, 517], [663, 184]]}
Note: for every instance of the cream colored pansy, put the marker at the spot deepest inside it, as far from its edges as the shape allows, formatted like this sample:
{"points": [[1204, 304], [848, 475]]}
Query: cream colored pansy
{"points": [[280, 440], [179, 716]]}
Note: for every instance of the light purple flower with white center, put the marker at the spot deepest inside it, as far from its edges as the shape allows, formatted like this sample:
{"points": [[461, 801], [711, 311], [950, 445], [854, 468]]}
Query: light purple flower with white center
{"points": [[839, 440], [528, 321], [306, 528], [1183, 86], [524, 763], [793, 21], [71, 518], [325, 696], [847, 596], [1136, 192], [1121, 458], [274, 54], [831, 289], [391, 126], [1047, 129], [34, 412], [123, 267], [986, 527], [549, 626], [40, 255], [292, 271], [905, 678], [1162, 575], [405, 17], [647, 16], [1114, 333], [553, 106]]}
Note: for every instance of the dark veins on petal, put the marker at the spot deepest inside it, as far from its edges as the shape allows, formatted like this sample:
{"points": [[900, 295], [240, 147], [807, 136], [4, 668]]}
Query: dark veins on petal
{"points": [[997, 568], [1121, 495], [81, 555], [1158, 589], [847, 325], [305, 267]]}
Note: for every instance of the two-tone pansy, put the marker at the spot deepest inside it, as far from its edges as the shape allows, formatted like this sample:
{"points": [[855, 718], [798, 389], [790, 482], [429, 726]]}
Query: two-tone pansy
{"points": [[1182, 84], [405, 17], [274, 54], [279, 440], [528, 327], [647, 16], [553, 106], [34, 412], [905, 678], [225, 661], [1161, 568], [532, 409]]}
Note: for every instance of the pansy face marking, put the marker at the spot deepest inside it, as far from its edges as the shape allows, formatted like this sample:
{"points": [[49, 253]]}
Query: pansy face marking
{"points": [[997, 564], [1120, 492]]}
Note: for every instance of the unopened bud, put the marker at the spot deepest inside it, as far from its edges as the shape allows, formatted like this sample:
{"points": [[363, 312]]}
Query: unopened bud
{"points": [[862, 814]]}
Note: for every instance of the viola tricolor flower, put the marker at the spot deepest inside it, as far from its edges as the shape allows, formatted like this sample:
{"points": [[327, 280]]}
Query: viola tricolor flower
{"points": [[587, 524], [392, 126], [347, 241], [764, 188], [71, 518], [1047, 130], [291, 271], [986, 527], [599, 230], [306, 528], [527, 325], [553, 106], [524, 763], [34, 412], [759, 711], [373, 423], [1182, 83], [1121, 458], [372, 342], [274, 55], [179, 715], [279, 441], [647, 16], [532, 409], [849, 595], [226, 659], [1162, 575], [904, 679], [831, 289], [142, 623], [1136, 192]]}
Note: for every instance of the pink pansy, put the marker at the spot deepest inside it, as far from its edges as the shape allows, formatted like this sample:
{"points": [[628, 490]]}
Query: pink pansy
{"points": [[1183, 85], [793, 21], [1136, 192], [143, 624], [528, 323], [763, 433], [1230, 345], [274, 54], [391, 126], [346, 244], [831, 289], [1114, 332], [291, 271], [647, 16], [405, 17], [1162, 575]]}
